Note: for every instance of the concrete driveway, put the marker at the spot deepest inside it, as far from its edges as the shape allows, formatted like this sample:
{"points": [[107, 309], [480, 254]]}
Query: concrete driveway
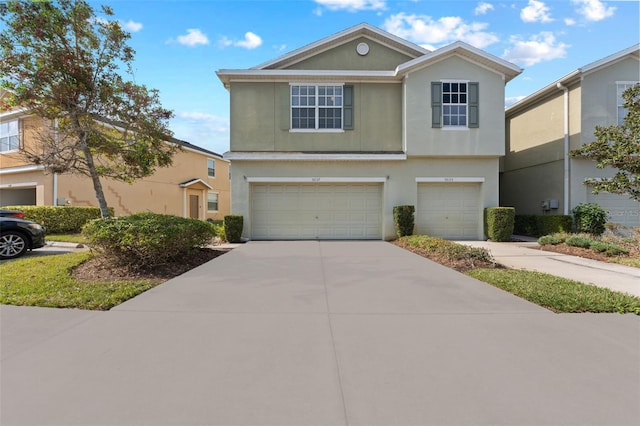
{"points": [[320, 333]]}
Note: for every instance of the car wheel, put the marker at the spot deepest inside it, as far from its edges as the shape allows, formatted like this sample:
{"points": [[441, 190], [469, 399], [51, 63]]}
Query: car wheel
{"points": [[12, 244]]}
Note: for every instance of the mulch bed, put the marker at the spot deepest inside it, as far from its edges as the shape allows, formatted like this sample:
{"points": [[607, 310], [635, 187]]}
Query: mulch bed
{"points": [[102, 268], [460, 265], [575, 251]]}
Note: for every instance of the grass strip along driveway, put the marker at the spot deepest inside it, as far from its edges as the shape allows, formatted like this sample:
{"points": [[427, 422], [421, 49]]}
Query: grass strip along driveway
{"points": [[47, 281], [554, 293]]}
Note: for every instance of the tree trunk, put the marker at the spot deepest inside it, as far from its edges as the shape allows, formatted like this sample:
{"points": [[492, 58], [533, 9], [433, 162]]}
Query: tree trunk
{"points": [[97, 185]]}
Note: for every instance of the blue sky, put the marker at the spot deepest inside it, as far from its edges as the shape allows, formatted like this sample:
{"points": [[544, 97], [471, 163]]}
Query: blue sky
{"points": [[181, 43]]}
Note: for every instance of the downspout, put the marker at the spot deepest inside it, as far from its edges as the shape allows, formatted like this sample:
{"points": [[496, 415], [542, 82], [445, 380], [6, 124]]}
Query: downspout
{"points": [[566, 147]]}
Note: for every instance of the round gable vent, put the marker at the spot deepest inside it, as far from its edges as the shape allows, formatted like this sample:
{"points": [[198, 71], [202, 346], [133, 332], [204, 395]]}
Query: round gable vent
{"points": [[362, 49]]}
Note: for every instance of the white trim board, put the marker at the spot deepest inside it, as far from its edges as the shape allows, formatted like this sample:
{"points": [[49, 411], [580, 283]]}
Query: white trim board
{"points": [[318, 179], [450, 180]]}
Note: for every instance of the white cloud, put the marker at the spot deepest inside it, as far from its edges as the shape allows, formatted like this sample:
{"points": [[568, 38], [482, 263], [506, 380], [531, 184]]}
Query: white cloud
{"points": [[250, 41], [203, 129], [539, 48], [512, 100], [536, 11], [426, 31], [569, 22], [352, 5], [193, 37], [131, 26], [483, 8], [594, 10]]}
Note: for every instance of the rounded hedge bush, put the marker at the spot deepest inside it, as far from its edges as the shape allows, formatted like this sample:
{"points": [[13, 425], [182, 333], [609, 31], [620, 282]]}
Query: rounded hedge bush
{"points": [[145, 240], [590, 218]]}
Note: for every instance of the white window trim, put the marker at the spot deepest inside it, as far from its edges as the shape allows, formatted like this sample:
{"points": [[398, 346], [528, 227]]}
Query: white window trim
{"points": [[316, 107], [218, 209], [214, 168], [9, 151], [449, 127], [618, 84]]}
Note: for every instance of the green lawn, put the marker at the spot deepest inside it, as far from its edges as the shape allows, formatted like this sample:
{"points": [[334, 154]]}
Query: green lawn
{"points": [[558, 294], [67, 238], [46, 281]]}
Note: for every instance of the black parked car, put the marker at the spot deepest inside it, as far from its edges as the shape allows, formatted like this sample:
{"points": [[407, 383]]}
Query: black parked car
{"points": [[11, 213], [19, 235]]}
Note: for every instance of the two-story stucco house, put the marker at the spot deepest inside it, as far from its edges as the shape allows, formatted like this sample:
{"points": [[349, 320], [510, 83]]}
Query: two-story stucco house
{"points": [[540, 177], [327, 139], [196, 185]]}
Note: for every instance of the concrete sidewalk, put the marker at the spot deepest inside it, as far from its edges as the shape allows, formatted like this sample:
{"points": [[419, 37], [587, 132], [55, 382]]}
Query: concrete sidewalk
{"points": [[319, 333], [526, 255]]}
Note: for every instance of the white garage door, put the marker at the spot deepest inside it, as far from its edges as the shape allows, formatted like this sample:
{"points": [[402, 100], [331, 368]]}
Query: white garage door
{"points": [[449, 210], [621, 208], [316, 211]]}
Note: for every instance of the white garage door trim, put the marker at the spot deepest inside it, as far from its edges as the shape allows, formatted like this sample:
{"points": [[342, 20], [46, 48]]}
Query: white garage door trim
{"points": [[465, 220], [321, 218]]}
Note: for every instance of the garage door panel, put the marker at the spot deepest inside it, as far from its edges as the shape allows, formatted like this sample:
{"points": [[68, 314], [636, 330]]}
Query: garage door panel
{"points": [[449, 210], [310, 211], [621, 209]]}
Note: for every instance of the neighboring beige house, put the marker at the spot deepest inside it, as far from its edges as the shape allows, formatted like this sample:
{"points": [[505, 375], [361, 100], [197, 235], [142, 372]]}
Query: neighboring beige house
{"points": [[327, 139], [196, 185], [539, 176]]}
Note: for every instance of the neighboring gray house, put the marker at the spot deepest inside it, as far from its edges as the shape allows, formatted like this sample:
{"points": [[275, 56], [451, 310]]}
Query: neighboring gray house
{"points": [[327, 139], [539, 177]]}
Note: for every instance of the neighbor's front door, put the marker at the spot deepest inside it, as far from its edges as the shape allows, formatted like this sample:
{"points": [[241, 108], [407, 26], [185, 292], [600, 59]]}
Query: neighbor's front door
{"points": [[194, 207]]}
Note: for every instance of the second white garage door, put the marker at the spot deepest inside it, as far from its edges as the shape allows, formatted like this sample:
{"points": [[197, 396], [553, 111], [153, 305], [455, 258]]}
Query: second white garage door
{"points": [[316, 211], [449, 210], [620, 208]]}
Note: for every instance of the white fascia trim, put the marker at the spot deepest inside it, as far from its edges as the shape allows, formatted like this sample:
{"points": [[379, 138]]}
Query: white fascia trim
{"points": [[14, 113], [312, 157], [243, 75], [21, 169], [194, 181], [318, 179], [19, 185], [450, 180]]}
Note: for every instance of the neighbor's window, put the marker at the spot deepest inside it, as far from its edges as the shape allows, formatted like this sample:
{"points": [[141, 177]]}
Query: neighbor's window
{"points": [[316, 107], [212, 201], [621, 87], [211, 168], [454, 104], [9, 136]]}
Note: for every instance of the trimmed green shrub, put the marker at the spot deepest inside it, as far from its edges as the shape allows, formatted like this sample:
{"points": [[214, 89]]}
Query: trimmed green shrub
{"points": [[579, 241], [590, 218], [403, 220], [59, 219], [233, 228], [539, 225], [608, 249], [448, 249], [146, 240], [498, 222], [552, 239]]}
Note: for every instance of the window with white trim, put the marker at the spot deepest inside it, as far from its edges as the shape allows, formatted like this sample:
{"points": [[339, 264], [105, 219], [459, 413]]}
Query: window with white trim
{"points": [[9, 136], [316, 107], [212, 201], [621, 86], [454, 104], [211, 167]]}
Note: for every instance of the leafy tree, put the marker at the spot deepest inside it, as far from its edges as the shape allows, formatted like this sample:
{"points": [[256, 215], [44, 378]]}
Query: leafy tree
{"points": [[64, 63], [619, 147]]}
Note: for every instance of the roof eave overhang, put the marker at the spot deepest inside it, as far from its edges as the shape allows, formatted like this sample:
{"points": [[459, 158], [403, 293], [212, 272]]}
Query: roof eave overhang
{"points": [[303, 156], [244, 75]]}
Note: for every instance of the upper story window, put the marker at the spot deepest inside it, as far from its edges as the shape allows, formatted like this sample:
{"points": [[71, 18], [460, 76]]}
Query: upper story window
{"points": [[317, 107], [211, 167], [454, 104], [9, 136], [621, 87]]}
